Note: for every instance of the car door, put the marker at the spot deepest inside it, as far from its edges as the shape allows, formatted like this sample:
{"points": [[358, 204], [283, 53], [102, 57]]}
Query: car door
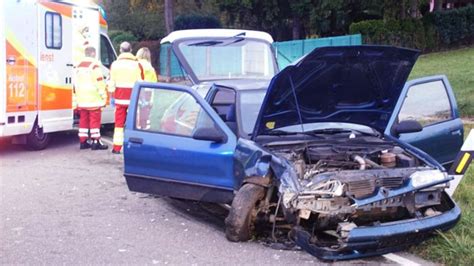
{"points": [[164, 154], [431, 102]]}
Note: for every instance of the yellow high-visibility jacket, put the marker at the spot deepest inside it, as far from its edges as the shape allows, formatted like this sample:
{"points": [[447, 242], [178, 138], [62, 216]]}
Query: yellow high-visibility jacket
{"points": [[148, 70], [89, 85], [124, 72]]}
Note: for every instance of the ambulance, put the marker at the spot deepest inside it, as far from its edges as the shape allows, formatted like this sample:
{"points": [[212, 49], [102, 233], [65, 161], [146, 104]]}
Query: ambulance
{"points": [[40, 43]]}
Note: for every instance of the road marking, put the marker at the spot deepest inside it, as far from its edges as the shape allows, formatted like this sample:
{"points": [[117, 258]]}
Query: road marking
{"points": [[400, 260]]}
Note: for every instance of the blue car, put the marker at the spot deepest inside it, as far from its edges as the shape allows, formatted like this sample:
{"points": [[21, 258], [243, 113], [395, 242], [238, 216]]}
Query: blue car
{"points": [[338, 150]]}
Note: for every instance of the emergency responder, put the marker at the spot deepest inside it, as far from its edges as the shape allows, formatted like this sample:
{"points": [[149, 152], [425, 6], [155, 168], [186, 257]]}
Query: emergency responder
{"points": [[145, 101], [90, 96], [124, 72]]}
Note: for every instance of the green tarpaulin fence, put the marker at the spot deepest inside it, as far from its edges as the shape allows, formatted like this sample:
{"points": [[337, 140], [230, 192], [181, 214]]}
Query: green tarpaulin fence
{"points": [[288, 52]]}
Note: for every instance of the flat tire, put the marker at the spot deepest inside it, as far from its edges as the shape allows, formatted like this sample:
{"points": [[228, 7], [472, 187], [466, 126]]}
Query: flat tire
{"points": [[240, 223]]}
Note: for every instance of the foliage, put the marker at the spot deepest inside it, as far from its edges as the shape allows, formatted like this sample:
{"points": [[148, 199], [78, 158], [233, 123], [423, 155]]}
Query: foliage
{"points": [[122, 36], [456, 25], [406, 33], [289, 19], [196, 21], [145, 18], [432, 32]]}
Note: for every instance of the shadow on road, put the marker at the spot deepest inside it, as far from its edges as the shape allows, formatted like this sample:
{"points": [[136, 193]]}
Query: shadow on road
{"points": [[208, 213], [58, 141]]}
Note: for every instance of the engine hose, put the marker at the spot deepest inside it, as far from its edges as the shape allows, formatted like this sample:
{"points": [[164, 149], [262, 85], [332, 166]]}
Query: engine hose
{"points": [[374, 164], [360, 161]]}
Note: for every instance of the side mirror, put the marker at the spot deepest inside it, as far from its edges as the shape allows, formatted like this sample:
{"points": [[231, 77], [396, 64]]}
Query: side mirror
{"points": [[406, 126], [210, 134]]}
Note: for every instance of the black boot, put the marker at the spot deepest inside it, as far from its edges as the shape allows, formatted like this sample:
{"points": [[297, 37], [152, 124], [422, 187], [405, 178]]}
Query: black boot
{"points": [[98, 145], [84, 145]]}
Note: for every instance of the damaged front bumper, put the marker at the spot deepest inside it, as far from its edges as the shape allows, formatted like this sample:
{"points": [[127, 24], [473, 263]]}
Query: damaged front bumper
{"points": [[383, 238]]}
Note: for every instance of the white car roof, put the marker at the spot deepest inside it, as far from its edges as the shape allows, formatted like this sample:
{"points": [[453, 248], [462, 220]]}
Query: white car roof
{"points": [[184, 34]]}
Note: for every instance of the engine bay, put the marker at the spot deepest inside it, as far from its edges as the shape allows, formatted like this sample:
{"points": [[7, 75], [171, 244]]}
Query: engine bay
{"points": [[335, 174], [336, 155]]}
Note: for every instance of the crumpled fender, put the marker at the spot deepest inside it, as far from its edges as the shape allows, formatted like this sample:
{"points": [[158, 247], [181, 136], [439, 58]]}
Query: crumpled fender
{"points": [[254, 164]]}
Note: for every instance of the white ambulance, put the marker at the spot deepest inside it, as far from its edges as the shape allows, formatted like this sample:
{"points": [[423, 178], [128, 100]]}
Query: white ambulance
{"points": [[40, 43]]}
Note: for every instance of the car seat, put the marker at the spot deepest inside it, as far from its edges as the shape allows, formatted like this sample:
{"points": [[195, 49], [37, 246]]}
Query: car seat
{"points": [[231, 119]]}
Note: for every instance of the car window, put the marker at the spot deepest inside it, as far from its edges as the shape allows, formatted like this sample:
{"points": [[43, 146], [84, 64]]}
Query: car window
{"points": [[250, 104], [170, 112], [222, 103], [107, 55], [171, 71], [428, 103], [228, 58], [224, 96]]}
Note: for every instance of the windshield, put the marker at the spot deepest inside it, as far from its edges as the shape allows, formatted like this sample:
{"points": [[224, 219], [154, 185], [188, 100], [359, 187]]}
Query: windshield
{"points": [[250, 104], [229, 58]]}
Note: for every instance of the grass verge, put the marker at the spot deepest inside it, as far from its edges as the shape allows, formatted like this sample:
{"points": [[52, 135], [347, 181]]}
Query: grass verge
{"points": [[456, 246]]}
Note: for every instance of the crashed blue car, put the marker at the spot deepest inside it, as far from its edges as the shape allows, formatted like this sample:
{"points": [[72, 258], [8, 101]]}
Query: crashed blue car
{"points": [[337, 149]]}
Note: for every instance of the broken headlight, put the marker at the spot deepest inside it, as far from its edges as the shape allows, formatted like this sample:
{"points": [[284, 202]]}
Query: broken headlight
{"points": [[422, 178]]}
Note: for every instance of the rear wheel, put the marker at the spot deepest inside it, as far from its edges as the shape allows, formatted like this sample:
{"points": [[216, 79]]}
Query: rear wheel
{"points": [[37, 139], [240, 223]]}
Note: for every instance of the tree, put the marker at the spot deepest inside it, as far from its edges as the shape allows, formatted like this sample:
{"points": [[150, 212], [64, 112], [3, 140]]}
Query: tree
{"points": [[169, 18], [196, 21], [400, 9], [138, 17], [300, 10], [438, 5]]}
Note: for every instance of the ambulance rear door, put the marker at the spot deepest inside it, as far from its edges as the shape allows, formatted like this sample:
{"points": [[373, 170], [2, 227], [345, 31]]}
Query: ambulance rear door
{"points": [[55, 66]]}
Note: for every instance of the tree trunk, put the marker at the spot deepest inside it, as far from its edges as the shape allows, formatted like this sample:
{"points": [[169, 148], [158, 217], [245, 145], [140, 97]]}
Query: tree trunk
{"points": [[438, 5], [169, 16], [402, 9], [414, 9], [296, 28]]}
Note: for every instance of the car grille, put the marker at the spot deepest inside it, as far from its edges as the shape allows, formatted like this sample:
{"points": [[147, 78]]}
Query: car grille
{"points": [[391, 182], [364, 188]]}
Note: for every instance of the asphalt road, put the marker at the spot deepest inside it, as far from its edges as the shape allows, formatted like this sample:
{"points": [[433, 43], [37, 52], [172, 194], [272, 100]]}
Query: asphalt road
{"points": [[66, 206]]}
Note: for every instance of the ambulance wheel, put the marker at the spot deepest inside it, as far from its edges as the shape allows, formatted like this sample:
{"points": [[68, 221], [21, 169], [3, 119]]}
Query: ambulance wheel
{"points": [[37, 139], [240, 223]]}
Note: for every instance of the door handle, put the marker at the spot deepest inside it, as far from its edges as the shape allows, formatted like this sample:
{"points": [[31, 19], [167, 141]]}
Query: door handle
{"points": [[456, 132], [136, 140]]}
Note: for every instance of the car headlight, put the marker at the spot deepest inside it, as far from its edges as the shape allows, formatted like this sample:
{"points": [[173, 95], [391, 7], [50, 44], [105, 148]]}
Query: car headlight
{"points": [[422, 178]]}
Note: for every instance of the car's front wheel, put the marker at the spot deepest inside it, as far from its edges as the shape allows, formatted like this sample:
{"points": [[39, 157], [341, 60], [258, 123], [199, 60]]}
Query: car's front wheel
{"points": [[240, 223]]}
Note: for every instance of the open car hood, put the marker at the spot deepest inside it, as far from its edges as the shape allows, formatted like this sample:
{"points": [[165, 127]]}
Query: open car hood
{"points": [[350, 84]]}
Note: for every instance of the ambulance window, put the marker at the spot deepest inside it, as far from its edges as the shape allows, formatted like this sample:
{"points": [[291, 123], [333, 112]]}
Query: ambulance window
{"points": [[107, 55], [53, 30]]}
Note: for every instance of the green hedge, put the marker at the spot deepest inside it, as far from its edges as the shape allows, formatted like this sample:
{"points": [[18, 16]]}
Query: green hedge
{"points": [[117, 37], [456, 25], [432, 32]]}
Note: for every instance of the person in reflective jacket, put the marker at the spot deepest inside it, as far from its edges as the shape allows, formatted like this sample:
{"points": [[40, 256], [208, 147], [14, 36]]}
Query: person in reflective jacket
{"points": [[146, 98], [124, 72], [90, 96]]}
